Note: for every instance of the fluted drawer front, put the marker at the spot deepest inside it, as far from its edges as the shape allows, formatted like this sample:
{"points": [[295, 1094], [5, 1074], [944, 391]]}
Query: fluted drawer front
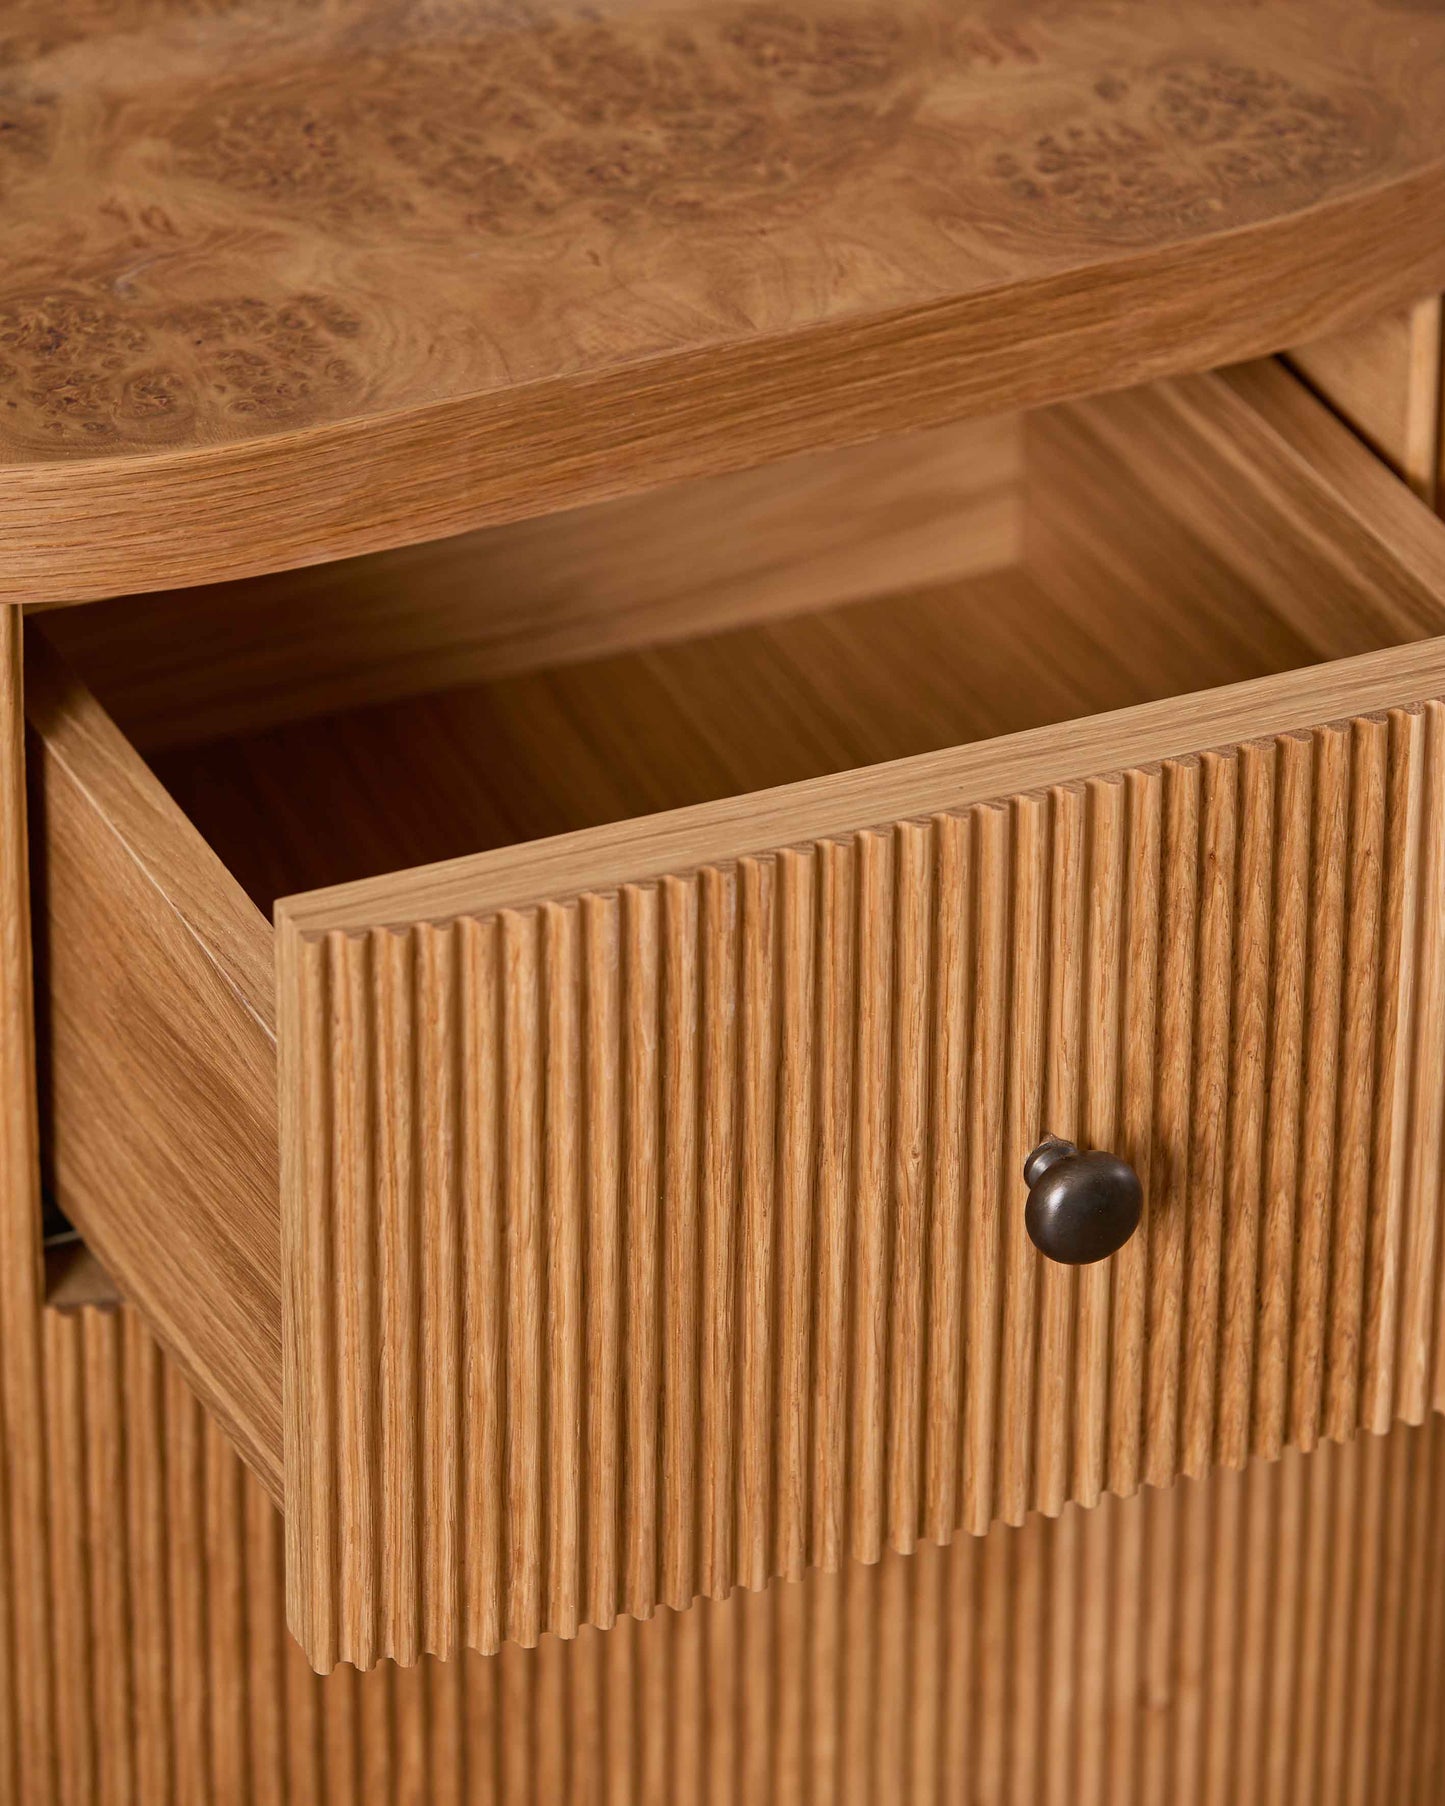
{"points": [[1272, 1636], [662, 1238]]}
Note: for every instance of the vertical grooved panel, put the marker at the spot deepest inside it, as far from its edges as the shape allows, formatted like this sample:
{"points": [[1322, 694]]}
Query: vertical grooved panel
{"points": [[1045, 1402], [986, 1052], [1286, 1055], [1168, 1205], [797, 1154], [1420, 1360], [913, 1041], [1394, 1054], [756, 1276], [716, 1466], [1247, 1091], [441, 1403], [484, 1424], [948, 1118], [872, 1194], [602, 1269], [1319, 1114], [563, 1256], [730, 1164], [520, 1301], [1138, 1006], [1209, 1108], [397, 1111], [1106, 886], [358, 1359], [680, 1312], [641, 1237]]}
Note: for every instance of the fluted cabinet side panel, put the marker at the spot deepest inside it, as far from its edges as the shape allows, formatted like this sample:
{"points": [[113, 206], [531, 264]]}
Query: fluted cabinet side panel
{"points": [[1272, 1635], [647, 1244]]}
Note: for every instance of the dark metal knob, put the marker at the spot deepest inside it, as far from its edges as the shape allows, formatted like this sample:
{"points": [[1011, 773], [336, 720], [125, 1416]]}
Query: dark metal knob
{"points": [[1082, 1207]]}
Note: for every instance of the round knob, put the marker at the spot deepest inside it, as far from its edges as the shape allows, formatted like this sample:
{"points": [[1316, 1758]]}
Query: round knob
{"points": [[1082, 1207]]}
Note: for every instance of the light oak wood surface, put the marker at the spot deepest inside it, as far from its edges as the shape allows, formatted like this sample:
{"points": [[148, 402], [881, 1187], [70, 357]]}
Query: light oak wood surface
{"points": [[27, 1676], [1271, 1636], [648, 1242], [579, 1319], [1388, 380], [284, 283], [177, 667], [159, 1056]]}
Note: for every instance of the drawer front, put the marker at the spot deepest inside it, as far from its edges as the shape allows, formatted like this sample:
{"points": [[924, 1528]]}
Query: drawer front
{"points": [[658, 1236]]}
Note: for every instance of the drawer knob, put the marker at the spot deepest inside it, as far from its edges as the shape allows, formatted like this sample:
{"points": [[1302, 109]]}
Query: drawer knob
{"points": [[1082, 1207]]}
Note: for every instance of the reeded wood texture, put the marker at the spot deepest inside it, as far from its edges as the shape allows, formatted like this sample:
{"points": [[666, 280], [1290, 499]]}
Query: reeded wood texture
{"points": [[26, 1743], [645, 1243], [1272, 1636], [1388, 381], [287, 283], [740, 1144], [805, 534], [160, 978], [1252, 549], [159, 1051], [1180, 537]]}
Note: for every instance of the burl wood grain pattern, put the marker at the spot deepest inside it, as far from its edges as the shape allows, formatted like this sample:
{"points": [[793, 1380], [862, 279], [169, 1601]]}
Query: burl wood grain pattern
{"points": [[283, 283], [1272, 1636]]}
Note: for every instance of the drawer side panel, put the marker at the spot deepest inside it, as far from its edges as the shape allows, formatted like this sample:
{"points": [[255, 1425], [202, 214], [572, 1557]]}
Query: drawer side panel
{"points": [[158, 1057]]}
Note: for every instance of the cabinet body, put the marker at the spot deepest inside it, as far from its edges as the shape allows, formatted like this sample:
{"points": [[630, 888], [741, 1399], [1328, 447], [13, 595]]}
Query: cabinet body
{"points": [[1271, 1635], [694, 636]]}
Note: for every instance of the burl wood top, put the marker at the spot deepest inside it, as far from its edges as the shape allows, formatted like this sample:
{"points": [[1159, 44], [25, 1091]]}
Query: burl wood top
{"points": [[284, 279]]}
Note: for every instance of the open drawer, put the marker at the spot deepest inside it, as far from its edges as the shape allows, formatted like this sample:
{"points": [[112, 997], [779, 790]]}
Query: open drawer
{"points": [[588, 1222]]}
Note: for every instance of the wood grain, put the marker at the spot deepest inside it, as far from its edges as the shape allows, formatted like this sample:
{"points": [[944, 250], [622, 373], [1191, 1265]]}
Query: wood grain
{"points": [[1284, 540], [1388, 380], [1234, 944], [809, 533], [1227, 948], [1272, 1636], [293, 284], [549, 1110], [159, 1051], [27, 1749]]}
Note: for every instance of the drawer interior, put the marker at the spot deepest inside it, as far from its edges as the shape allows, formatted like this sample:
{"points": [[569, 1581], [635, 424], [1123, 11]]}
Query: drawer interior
{"points": [[1047, 568]]}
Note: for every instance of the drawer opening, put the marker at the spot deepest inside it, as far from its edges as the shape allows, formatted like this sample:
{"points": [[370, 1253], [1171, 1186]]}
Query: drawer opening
{"points": [[74, 1278], [1099, 555]]}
